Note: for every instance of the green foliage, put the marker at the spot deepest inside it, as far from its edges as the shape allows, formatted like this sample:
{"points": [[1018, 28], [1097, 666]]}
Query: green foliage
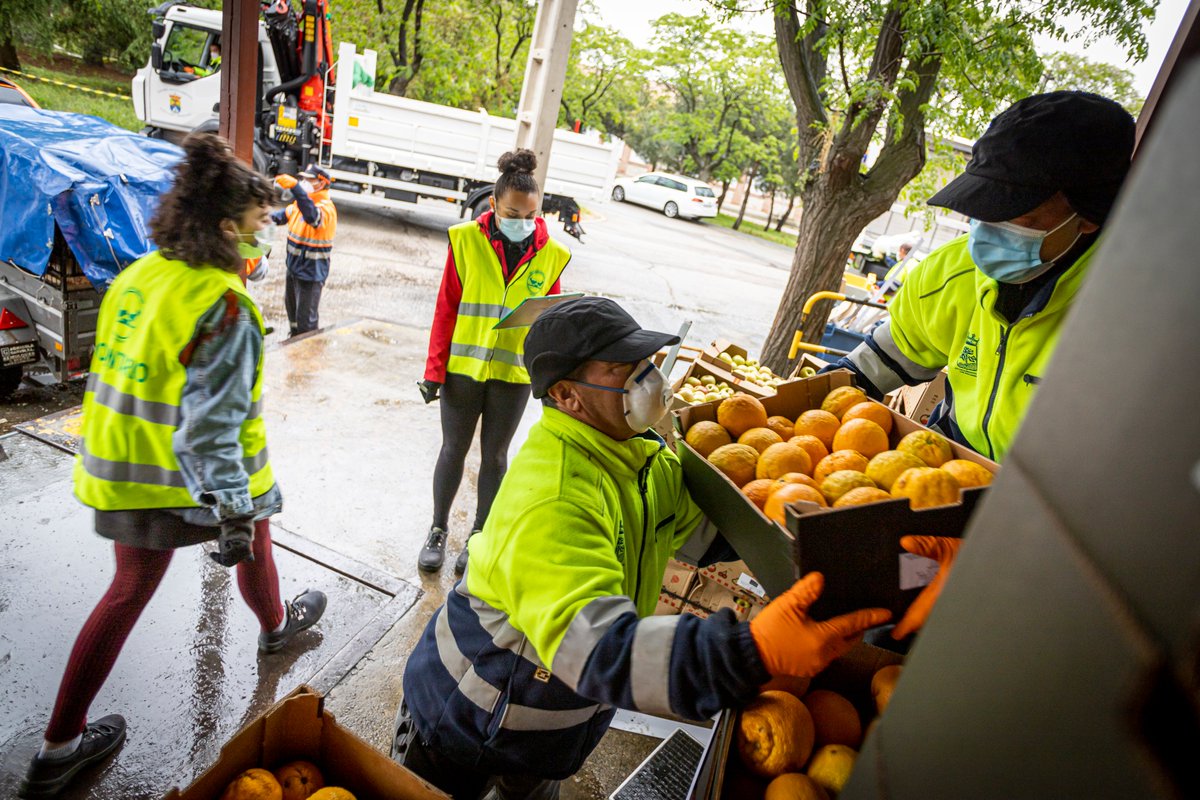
{"points": [[1069, 71], [60, 98], [779, 237], [604, 82]]}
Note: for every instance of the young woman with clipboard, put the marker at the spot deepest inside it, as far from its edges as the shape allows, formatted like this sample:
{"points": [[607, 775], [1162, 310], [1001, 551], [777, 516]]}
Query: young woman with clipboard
{"points": [[494, 263]]}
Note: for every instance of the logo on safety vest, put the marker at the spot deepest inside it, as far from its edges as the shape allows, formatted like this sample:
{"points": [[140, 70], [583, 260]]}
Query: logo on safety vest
{"points": [[128, 311], [968, 359], [176, 103], [536, 280], [621, 542]]}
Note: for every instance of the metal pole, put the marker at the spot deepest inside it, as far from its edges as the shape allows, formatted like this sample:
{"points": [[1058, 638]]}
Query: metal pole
{"points": [[544, 77], [239, 75]]}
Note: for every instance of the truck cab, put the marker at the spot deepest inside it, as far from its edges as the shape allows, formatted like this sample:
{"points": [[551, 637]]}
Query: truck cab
{"points": [[177, 91]]}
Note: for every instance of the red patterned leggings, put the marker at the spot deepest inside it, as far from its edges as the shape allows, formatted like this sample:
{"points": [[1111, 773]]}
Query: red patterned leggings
{"points": [[139, 571]]}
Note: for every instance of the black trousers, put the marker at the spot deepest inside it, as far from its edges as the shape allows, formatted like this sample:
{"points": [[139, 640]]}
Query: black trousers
{"points": [[464, 401], [301, 298], [456, 780]]}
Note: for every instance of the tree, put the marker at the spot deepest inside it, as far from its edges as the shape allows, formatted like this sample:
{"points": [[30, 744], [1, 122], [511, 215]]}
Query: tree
{"points": [[23, 22], [880, 72], [1069, 71], [407, 51], [604, 77]]}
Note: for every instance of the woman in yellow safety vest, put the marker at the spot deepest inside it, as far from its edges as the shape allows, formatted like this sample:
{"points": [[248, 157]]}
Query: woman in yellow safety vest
{"points": [[494, 263], [173, 449]]}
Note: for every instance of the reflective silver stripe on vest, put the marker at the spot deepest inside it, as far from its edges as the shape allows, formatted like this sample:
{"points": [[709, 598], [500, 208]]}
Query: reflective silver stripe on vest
{"points": [[148, 474], [650, 666], [255, 462], [489, 310], [475, 688], [585, 632], [486, 354], [114, 399], [879, 373], [255, 410], [528, 718]]}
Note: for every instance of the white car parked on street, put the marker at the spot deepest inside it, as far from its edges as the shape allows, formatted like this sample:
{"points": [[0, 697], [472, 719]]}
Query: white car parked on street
{"points": [[673, 195]]}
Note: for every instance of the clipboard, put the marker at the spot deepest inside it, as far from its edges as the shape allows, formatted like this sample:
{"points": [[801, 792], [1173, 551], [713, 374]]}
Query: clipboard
{"points": [[530, 309]]}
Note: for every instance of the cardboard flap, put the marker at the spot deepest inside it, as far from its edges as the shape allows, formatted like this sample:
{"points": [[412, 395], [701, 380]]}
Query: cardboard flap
{"points": [[860, 554]]}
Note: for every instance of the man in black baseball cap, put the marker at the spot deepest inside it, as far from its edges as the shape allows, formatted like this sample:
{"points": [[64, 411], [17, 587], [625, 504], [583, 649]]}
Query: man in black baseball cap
{"points": [[311, 221], [514, 680], [987, 307]]}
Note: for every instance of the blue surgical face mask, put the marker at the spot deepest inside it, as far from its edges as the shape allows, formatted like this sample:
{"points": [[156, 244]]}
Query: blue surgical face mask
{"points": [[1011, 253], [515, 230]]}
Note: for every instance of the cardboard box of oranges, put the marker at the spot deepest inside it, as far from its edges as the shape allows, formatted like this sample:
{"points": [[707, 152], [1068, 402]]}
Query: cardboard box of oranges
{"points": [[818, 477], [295, 729]]}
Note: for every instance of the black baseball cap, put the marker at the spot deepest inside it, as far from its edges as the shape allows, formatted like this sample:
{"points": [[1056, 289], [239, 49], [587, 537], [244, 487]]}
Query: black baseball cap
{"points": [[1076, 143], [586, 329], [312, 171]]}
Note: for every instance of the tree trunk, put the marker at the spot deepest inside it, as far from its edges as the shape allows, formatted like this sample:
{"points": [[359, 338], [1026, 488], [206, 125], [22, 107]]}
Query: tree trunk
{"points": [[770, 213], [830, 223], [724, 191], [784, 216], [8, 47], [737, 223]]}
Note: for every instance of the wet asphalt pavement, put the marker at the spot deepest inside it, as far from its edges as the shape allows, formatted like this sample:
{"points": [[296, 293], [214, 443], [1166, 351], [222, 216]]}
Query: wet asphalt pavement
{"points": [[353, 446]]}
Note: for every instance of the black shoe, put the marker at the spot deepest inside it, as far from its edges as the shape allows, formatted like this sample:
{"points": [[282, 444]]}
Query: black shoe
{"points": [[434, 552], [302, 613], [460, 563], [47, 777]]}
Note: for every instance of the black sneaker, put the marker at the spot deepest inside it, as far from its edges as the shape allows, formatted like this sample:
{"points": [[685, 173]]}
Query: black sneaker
{"points": [[47, 777], [434, 552], [460, 563], [302, 613]]}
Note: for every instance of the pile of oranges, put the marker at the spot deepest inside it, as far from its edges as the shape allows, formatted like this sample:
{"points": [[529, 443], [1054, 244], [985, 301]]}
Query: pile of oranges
{"points": [[836, 456]]}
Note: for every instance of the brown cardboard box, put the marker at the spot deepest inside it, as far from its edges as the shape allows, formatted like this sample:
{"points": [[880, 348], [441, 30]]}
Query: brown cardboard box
{"points": [[857, 547], [917, 402], [809, 360], [298, 727], [708, 597], [689, 590]]}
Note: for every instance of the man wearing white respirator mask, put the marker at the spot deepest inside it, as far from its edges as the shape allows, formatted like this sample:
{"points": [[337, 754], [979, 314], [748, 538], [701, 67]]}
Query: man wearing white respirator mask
{"points": [[515, 679]]}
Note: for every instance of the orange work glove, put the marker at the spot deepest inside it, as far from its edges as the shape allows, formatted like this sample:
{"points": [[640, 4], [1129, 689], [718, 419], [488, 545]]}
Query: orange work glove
{"points": [[792, 644], [285, 181], [941, 549]]}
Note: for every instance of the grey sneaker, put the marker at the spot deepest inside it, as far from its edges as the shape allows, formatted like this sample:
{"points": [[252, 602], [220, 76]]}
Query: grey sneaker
{"points": [[460, 563], [47, 777], [434, 552], [301, 613]]}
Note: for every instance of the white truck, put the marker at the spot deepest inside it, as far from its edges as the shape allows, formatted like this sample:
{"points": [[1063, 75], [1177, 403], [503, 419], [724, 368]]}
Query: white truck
{"points": [[380, 149]]}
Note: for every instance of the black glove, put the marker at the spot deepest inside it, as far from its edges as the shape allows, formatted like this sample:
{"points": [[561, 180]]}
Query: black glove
{"points": [[234, 542], [429, 390]]}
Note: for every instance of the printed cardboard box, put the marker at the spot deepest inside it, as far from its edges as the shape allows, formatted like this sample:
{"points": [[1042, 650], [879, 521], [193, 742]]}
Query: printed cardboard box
{"points": [[918, 402], [857, 548], [298, 727]]}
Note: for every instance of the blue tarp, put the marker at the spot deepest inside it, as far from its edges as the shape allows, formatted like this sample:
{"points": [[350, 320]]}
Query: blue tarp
{"points": [[98, 182]]}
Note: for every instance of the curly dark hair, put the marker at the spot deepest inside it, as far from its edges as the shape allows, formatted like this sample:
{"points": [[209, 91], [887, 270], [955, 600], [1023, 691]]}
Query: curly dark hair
{"points": [[211, 185], [516, 173]]}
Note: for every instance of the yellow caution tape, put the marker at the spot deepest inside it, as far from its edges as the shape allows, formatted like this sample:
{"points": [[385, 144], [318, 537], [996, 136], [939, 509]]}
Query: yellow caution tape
{"points": [[64, 83]]}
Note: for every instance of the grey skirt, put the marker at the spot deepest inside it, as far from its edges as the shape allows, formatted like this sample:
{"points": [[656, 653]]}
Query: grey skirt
{"points": [[152, 529]]}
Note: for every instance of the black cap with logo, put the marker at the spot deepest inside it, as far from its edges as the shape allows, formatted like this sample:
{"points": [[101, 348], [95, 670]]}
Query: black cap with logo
{"points": [[587, 329], [1076, 143]]}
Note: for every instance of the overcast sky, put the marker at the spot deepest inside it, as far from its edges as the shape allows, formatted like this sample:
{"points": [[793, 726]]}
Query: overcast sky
{"points": [[632, 18]]}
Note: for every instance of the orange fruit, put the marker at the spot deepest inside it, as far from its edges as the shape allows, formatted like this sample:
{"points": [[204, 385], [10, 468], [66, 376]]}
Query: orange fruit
{"points": [[775, 734], [861, 496], [740, 413], [876, 412], [782, 458], [815, 447], [760, 438], [862, 435], [258, 784], [792, 684], [887, 466], [837, 460], [839, 401], [783, 426], [794, 477], [705, 436], [842, 481], [783, 497], [820, 424], [831, 766], [299, 779], [927, 446], [331, 793], [882, 684], [759, 490], [794, 786], [834, 718], [737, 461], [926, 487], [968, 473]]}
